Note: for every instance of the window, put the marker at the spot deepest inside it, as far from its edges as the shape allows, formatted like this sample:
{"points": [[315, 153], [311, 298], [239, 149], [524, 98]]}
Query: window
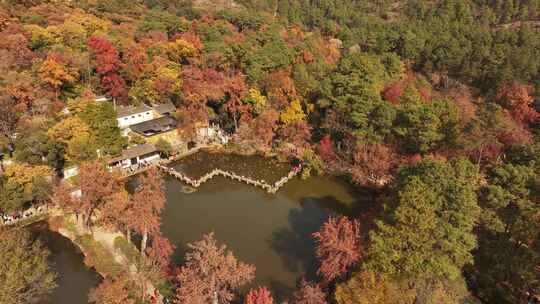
{"points": [[139, 115], [133, 116], [125, 118]]}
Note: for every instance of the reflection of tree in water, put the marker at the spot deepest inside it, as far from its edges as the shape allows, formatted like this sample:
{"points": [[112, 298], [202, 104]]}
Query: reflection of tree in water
{"points": [[295, 244]]}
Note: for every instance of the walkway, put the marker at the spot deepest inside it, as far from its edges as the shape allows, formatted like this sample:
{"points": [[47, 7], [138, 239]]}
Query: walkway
{"points": [[29, 215], [139, 168], [196, 183]]}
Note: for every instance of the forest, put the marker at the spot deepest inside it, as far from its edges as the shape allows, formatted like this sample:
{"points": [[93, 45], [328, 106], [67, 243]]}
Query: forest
{"points": [[434, 106]]}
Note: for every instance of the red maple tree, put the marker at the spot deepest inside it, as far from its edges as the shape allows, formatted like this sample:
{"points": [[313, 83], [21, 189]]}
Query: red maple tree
{"points": [[111, 292], [98, 186], [515, 97], [309, 293], [260, 295], [107, 65], [393, 92], [211, 274], [338, 247], [160, 252], [147, 203]]}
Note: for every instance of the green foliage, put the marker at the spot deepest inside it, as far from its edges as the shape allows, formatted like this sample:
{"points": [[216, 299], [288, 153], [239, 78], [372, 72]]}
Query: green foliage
{"points": [[101, 119], [25, 274], [265, 52], [312, 164], [425, 126], [12, 197], [162, 21], [164, 147], [354, 89], [428, 226], [509, 238]]}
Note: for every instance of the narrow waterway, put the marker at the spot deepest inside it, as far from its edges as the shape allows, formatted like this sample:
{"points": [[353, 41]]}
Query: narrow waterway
{"points": [[74, 279], [273, 232]]}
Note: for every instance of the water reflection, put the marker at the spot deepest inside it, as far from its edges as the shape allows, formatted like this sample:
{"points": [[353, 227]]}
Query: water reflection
{"points": [[294, 243], [74, 279], [273, 232]]}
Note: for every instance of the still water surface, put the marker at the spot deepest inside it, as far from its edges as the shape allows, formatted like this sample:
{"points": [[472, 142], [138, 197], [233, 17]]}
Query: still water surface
{"points": [[273, 232], [74, 279]]}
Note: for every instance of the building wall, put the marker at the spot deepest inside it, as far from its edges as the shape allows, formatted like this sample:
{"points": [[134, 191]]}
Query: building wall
{"points": [[70, 172], [126, 121]]}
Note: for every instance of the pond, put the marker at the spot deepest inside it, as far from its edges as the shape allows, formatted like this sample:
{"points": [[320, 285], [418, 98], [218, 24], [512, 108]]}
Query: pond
{"points": [[273, 232], [74, 279]]}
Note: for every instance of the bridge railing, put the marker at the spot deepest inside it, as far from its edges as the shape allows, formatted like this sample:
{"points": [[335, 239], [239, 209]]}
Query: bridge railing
{"points": [[196, 183]]}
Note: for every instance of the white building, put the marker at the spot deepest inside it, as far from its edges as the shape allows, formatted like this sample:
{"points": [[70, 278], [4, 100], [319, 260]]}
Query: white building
{"points": [[138, 155], [131, 115]]}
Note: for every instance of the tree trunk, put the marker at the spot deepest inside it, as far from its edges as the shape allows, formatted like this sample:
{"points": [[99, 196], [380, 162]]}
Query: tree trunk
{"points": [[128, 235], [143, 242], [235, 123], [80, 221]]}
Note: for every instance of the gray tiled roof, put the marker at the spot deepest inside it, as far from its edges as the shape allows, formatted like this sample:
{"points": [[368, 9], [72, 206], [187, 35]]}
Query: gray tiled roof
{"points": [[155, 126], [131, 110], [134, 152], [164, 108]]}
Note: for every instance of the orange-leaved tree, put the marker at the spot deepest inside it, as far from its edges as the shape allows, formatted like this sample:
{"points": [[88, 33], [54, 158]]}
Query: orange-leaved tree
{"points": [[338, 247]]}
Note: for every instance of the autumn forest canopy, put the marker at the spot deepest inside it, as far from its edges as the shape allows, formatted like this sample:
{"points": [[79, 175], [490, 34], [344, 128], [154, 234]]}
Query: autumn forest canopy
{"points": [[432, 106]]}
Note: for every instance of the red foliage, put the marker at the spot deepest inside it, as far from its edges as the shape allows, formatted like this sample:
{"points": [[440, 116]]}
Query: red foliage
{"points": [[190, 114], [425, 93], [191, 38], [98, 186], [147, 203], [515, 97], [260, 295], [326, 149], [298, 134], [211, 272], [106, 55], [309, 293], [115, 86], [201, 85], [415, 158], [111, 292], [21, 87], [338, 247], [393, 92], [160, 252], [136, 60], [107, 65], [373, 164], [14, 49], [236, 89], [258, 133], [280, 88], [63, 198], [307, 56]]}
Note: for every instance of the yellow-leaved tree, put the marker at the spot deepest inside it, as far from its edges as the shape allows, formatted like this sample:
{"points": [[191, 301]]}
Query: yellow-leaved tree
{"points": [[293, 113], [75, 134], [257, 100], [56, 74], [24, 183], [180, 49]]}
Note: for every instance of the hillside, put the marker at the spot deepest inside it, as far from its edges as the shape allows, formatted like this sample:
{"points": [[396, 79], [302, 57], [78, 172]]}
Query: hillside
{"points": [[434, 106]]}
